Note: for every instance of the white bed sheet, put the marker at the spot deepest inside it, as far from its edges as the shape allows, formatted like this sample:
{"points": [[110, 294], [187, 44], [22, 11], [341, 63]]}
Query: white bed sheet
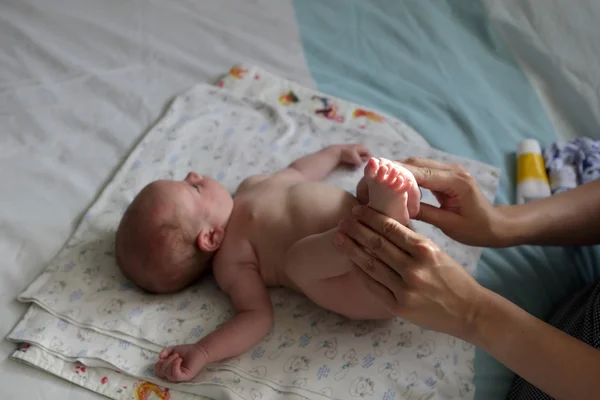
{"points": [[80, 80], [558, 45]]}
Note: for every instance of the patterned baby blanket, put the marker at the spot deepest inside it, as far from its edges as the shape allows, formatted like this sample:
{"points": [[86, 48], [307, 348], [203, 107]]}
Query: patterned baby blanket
{"points": [[89, 325]]}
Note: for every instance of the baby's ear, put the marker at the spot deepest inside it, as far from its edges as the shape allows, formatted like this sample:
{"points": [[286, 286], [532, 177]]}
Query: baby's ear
{"points": [[210, 240]]}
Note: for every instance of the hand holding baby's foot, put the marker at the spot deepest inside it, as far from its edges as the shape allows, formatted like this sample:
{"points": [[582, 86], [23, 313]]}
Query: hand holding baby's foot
{"points": [[392, 190], [180, 363], [354, 154]]}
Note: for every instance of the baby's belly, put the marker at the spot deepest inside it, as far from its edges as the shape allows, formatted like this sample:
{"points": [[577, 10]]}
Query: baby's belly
{"points": [[271, 250], [307, 209]]}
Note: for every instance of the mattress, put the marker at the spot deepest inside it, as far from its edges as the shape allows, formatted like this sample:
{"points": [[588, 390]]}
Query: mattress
{"points": [[82, 80]]}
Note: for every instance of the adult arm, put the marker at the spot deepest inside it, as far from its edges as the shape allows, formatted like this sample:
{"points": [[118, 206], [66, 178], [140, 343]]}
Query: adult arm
{"points": [[569, 218], [418, 281], [553, 361]]}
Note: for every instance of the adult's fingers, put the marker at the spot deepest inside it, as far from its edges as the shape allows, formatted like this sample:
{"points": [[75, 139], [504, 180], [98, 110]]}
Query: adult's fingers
{"points": [[372, 266], [380, 291], [437, 217], [420, 162], [365, 261], [440, 179], [376, 244], [394, 243]]}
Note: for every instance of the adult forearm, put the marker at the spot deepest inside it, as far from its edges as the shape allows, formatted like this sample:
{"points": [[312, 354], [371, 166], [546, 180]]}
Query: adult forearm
{"points": [[319, 165], [553, 361], [566, 219]]}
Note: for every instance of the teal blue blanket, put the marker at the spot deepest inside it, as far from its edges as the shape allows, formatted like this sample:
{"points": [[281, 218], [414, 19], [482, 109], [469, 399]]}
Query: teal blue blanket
{"points": [[440, 67]]}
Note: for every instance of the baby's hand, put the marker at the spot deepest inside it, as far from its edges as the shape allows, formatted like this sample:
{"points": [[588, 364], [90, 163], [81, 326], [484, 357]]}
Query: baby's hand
{"points": [[354, 154], [180, 363]]}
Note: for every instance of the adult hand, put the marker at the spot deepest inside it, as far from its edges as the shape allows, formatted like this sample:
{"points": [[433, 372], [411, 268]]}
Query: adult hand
{"points": [[410, 274], [464, 214]]}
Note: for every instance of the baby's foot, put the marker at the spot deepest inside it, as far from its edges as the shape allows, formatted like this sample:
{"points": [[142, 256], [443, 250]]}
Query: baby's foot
{"points": [[389, 186]]}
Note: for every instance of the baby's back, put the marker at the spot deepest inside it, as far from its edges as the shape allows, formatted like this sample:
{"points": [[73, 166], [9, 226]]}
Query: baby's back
{"points": [[275, 213]]}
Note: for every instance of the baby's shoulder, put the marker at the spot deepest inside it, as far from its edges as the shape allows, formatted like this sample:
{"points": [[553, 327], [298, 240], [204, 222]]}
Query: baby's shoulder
{"points": [[232, 257], [250, 182], [279, 180], [236, 249]]}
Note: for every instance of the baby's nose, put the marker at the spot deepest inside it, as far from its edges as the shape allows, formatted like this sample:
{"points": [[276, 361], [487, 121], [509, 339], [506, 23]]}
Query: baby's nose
{"points": [[193, 177]]}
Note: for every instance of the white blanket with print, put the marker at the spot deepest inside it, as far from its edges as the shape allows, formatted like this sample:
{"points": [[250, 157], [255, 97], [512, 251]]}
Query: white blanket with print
{"points": [[85, 314]]}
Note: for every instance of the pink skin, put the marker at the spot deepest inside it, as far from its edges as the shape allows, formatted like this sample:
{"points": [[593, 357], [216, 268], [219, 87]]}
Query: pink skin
{"points": [[211, 205], [392, 190], [202, 207], [207, 205]]}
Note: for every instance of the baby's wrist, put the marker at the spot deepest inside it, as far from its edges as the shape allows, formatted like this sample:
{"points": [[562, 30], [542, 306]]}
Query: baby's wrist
{"points": [[203, 354]]}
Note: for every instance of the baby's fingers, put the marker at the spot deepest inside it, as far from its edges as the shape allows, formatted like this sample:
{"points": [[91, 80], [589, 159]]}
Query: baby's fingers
{"points": [[177, 374], [167, 366], [166, 353], [158, 369], [364, 153]]}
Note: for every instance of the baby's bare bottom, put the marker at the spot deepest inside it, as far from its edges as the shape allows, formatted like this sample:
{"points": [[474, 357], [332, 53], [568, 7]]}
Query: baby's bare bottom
{"points": [[316, 268]]}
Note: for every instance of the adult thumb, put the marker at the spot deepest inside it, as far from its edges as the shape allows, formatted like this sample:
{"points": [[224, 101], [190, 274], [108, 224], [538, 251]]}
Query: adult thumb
{"points": [[436, 216]]}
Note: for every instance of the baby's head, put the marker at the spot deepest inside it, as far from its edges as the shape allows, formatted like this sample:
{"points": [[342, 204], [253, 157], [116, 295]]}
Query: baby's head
{"points": [[171, 230]]}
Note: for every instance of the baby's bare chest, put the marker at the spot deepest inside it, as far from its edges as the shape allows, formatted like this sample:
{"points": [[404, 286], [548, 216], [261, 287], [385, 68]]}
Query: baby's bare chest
{"points": [[273, 217]]}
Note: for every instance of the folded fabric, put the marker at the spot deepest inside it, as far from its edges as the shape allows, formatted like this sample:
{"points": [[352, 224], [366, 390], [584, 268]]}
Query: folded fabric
{"points": [[255, 82], [573, 163]]}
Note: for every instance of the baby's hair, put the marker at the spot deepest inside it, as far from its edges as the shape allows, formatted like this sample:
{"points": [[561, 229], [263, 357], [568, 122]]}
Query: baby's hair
{"points": [[142, 255]]}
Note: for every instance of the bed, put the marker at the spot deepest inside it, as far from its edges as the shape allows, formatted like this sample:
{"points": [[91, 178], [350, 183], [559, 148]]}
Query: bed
{"points": [[81, 81]]}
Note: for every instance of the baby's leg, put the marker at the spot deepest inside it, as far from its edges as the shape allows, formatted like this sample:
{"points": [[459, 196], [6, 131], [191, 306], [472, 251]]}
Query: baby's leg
{"points": [[316, 268], [315, 257], [392, 190]]}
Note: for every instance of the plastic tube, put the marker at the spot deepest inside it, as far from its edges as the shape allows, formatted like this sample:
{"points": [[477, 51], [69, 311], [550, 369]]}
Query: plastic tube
{"points": [[532, 180]]}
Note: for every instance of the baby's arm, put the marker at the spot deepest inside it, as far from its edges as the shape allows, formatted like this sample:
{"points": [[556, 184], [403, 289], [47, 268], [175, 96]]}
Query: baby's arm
{"points": [[317, 166], [253, 321]]}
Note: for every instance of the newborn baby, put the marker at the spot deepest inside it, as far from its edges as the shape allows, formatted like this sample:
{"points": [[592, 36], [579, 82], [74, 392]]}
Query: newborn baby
{"points": [[277, 231]]}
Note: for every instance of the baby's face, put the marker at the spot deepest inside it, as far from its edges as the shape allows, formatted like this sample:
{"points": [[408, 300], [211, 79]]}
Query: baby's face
{"points": [[199, 205], [200, 200], [205, 197]]}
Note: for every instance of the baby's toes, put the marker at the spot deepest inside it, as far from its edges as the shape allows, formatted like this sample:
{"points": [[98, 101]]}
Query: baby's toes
{"points": [[385, 161], [406, 174], [391, 176], [381, 174], [404, 185], [399, 185], [371, 168]]}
